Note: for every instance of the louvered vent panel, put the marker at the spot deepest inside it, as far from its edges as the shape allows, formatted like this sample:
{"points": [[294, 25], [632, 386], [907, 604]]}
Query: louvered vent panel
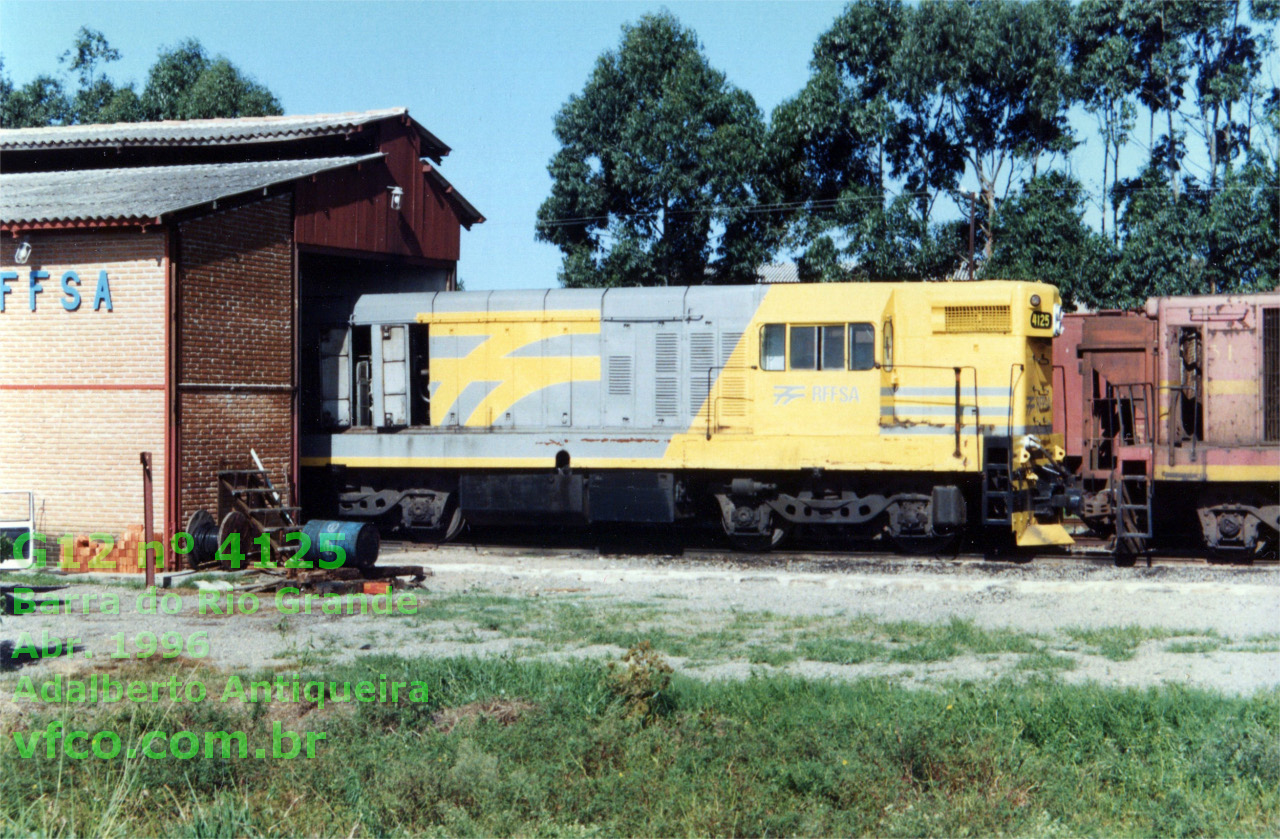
{"points": [[977, 319], [733, 395], [728, 343], [702, 361], [666, 396], [666, 354], [619, 375]]}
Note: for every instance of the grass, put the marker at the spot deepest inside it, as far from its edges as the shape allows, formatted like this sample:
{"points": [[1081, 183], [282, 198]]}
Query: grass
{"points": [[1120, 643], [762, 637], [1209, 646], [768, 755], [33, 578], [1046, 662], [840, 650], [937, 642]]}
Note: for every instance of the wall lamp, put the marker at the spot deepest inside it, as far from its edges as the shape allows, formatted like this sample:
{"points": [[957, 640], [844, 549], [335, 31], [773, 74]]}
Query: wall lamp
{"points": [[22, 253], [396, 194]]}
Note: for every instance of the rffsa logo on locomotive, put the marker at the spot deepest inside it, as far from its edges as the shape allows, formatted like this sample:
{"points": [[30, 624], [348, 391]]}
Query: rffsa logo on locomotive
{"points": [[786, 394]]}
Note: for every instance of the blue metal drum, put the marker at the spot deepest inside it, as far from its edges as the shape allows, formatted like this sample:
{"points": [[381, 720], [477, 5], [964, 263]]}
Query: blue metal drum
{"points": [[358, 540]]}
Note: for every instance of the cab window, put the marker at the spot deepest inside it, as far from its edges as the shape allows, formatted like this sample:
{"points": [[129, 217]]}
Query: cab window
{"points": [[773, 347], [833, 347], [862, 346], [804, 348]]}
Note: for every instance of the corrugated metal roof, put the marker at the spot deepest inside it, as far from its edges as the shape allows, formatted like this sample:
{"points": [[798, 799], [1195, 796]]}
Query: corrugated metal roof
{"points": [[144, 193], [779, 272], [206, 132]]}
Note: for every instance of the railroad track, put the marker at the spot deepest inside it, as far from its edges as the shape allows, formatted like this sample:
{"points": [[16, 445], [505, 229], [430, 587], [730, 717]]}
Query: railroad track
{"points": [[1089, 551]]}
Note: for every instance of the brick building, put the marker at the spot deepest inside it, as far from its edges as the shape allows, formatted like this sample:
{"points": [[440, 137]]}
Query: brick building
{"points": [[160, 287]]}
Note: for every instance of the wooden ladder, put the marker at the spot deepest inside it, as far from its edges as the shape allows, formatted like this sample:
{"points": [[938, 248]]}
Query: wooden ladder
{"points": [[248, 505]]}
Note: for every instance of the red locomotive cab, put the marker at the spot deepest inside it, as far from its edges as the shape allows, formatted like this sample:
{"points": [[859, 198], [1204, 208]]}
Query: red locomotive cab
{"points": [[1177, 421]]}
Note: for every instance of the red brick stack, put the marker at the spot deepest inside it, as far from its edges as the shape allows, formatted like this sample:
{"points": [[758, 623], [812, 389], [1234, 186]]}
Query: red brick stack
{"points": [[87, 554]]}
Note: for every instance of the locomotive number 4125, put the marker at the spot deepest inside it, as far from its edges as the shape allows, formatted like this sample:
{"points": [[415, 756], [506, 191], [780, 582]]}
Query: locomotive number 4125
{"points": [[1041, 320]]}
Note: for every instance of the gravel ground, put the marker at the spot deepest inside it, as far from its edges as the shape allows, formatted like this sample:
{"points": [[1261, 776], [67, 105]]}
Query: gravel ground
{"points": [[1234, 612]]}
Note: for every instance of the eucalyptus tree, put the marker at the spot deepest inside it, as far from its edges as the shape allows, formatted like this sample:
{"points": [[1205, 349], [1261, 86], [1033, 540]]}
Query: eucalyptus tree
{"points": [[97, 98], [921, 95], [831, 147], [999, 69], [661, 169], [184, 83], [1227, 53], [1107, 80], [1041, 234]]}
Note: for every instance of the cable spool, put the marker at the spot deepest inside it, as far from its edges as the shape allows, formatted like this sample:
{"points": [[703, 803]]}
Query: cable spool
{"points": [[203, 531]]}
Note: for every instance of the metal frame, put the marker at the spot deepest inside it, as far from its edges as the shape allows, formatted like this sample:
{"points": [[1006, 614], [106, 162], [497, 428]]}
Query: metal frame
{"points": [[29, 523]]}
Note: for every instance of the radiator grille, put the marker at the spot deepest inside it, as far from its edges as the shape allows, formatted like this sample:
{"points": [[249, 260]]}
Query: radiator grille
{"points": [[728, 343], [1271, 373], [733, 395], [702, 358], [977, 319], [619, 375], [666, 396], [666, 353]]}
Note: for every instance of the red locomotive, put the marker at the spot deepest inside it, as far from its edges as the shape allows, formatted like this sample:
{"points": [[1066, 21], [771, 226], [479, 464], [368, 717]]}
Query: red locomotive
{"points": [[1171, 418]]}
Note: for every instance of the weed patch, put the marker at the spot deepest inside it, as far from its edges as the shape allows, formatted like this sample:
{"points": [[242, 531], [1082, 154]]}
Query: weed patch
{"points": [[1120, 643], [542, 749], [839, 650]]}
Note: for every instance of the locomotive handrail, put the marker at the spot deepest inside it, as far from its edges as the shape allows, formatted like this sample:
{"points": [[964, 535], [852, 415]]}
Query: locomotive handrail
{"points": [[1022, 368], [1168, 432], [977, 411], [1066, 403], [711, 400]]}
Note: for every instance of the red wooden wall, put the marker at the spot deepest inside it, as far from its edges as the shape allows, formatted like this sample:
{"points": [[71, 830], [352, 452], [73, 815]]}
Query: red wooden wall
{"points": [[351, 208]]}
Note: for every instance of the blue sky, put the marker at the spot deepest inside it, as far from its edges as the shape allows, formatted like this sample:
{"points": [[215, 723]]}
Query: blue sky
{"points": [[487, 78]]}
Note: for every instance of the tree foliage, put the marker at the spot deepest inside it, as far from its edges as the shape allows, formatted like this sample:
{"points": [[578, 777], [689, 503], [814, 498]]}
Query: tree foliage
{"points": [[906, 105], [1042, 235], [919, 95], [661, 165], [184, 83]]}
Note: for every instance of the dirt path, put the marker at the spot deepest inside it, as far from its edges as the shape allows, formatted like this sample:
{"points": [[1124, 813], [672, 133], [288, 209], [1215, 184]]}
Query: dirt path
{"points": [[917, 623]]}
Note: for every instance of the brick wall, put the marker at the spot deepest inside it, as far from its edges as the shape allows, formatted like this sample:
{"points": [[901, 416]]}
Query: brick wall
{"points": [[82, 392], [235, 311]]}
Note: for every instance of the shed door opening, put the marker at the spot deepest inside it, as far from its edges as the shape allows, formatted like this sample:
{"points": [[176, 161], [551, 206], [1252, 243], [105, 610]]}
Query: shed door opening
{"points": [[335, 377], [419, 374]]}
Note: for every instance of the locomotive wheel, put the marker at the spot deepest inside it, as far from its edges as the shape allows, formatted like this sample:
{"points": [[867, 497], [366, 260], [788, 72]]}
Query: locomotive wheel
{"points": [[456, 522], [757, 542]]}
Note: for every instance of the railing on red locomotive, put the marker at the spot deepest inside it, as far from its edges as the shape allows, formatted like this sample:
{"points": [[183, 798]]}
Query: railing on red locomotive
{"points": [[1133, 464], [1123, 419]]}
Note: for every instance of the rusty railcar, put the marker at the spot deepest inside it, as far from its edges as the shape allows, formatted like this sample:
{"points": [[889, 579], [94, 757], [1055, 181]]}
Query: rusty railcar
{"points": [[1171, 419]]}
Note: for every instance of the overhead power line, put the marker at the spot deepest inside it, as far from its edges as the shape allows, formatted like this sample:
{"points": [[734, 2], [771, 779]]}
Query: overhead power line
{"points": [[834, 203]]}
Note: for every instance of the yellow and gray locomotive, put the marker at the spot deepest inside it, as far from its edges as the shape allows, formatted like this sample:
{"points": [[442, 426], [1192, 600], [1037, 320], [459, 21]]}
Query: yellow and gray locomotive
{"points": [[910, 410]]}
